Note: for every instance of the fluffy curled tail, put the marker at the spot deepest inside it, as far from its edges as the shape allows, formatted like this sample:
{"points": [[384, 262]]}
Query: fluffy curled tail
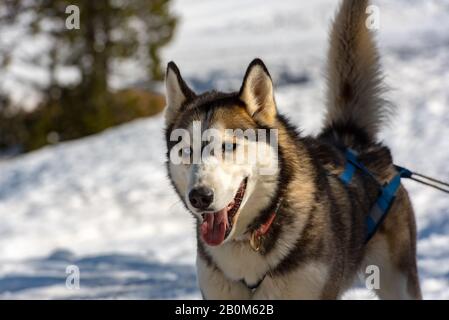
{"points": [[355, 108]]}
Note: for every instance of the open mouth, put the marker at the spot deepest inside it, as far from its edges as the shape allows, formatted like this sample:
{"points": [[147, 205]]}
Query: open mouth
{"points": [[216, 226]]}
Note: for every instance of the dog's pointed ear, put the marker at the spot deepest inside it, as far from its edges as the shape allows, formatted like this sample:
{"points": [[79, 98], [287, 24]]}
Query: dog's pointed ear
{"points": [[257, 92], [177, 92]]}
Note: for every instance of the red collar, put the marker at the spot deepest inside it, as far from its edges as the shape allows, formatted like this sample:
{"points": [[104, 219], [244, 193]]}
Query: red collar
{"points": [[256, 235], [264, 227]]}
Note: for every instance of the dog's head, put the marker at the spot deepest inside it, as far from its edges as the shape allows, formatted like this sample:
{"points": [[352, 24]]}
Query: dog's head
{"points": [[222, 151]]}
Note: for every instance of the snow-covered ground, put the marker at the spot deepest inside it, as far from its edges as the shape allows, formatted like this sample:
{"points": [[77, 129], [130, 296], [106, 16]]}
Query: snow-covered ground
{"points": [[103, 203]]}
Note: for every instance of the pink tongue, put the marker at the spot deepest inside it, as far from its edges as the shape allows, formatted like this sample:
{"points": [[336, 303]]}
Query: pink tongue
{"points": [[213, 228]]}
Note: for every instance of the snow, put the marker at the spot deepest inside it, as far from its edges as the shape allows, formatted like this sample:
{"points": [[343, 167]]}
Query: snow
{"points": [[103, 203]]}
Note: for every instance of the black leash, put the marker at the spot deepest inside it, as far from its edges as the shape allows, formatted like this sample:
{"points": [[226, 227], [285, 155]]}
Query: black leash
{"points": [[428, 181], [432, 182]]}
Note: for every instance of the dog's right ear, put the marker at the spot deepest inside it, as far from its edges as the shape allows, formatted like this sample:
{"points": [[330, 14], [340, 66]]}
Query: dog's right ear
{"points": [[177, 92], [257, 92]]}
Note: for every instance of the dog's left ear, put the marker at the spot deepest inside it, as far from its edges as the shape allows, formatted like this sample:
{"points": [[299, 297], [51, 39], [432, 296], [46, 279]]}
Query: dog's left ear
{"points": [[257, 92]]}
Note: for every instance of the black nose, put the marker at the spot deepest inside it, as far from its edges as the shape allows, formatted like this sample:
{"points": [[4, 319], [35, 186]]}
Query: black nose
{"points": [[201, 197]]}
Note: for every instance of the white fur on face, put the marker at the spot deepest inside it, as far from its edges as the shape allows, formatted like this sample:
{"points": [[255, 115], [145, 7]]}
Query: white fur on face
{"points": [[224, 176], [259, 191], [221, 174]]}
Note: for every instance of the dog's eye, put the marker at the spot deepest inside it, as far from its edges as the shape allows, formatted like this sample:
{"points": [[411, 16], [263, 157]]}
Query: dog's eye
{"points": [[229, 146], [185, 152]]}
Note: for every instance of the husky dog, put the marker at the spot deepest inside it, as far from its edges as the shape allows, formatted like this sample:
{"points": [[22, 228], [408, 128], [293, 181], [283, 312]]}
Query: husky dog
{"points": [[299, 232]]}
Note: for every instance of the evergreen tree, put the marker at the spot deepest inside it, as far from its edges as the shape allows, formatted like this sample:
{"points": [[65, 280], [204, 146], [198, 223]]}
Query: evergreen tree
{"points": [[110, 32]]}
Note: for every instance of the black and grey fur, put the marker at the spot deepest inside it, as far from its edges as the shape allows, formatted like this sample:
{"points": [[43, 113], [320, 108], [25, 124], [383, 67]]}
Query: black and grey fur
{"points": [[315, 247]]}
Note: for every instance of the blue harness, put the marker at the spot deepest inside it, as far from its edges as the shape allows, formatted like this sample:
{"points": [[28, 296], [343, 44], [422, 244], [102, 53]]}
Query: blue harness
{"points": [[384, 201], [387, 192]]}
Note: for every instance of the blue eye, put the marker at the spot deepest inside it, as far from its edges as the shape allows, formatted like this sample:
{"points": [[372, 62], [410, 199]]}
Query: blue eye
{"points": [[229, 146], [185, 152]]}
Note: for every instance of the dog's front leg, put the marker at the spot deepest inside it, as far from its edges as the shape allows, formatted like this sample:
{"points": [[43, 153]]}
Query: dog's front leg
{"points": [[215, 286]]}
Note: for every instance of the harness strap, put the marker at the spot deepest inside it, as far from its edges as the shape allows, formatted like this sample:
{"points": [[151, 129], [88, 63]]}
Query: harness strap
{"points": [[384, 202], [348, 173], [351, 164], [387, 192]]}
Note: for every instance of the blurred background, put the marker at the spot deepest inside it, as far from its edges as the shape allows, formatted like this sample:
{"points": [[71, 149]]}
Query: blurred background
{"points": [[61, 82], [82, 175]]}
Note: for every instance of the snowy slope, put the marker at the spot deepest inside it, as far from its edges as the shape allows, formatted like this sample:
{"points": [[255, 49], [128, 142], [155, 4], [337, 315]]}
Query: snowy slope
{"points": [[103, 203]]}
